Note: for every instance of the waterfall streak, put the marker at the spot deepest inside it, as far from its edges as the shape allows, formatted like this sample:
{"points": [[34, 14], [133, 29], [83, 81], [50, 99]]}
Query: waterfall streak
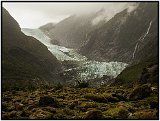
{"points": [[134, 50], [147, 31], [141, 40]]}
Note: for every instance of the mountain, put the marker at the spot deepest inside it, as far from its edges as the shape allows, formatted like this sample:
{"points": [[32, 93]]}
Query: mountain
{"points": [[46, 29], [73, 31], [130, 36], [38, 34], [78, 67], [25, 60]]}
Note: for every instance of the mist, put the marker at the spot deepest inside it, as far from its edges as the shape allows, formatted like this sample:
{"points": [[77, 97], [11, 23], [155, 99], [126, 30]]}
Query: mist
{"points": [[34, 15]]}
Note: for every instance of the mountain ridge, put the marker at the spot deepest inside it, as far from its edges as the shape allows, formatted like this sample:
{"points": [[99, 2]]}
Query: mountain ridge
{"points": [[24, 57], [117, 40]]}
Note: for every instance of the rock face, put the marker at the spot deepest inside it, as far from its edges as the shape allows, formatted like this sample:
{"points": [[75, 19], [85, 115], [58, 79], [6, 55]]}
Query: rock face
{"points": [[73, 31], [128, 37], [24, 57]]}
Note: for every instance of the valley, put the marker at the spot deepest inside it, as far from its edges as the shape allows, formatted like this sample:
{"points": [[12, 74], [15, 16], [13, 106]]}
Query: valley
{"points": [[86, 69], [85, 62]]}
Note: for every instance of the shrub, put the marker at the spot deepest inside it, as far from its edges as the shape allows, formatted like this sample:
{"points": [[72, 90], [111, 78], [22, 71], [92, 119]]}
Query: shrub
{"points": [[117, 113], [68, 111], [144, 114], [87, 105], [154, 102], [82, 84], [58, 86], [104, 98]]}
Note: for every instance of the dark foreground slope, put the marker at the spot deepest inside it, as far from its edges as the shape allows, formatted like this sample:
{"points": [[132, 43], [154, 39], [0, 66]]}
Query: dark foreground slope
{"points": [[24, 58], [129, 37]]}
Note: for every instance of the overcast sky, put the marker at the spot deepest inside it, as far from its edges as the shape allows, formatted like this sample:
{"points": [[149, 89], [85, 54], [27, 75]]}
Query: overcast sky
{"points": [[33, 15]]}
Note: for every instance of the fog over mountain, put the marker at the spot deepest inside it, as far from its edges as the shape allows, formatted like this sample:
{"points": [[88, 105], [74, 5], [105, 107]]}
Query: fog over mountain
{"points": [[80, 60], [42, 13]]}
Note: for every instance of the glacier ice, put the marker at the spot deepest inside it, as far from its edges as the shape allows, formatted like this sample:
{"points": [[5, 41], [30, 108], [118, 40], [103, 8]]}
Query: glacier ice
{"points": [[88, 69]]}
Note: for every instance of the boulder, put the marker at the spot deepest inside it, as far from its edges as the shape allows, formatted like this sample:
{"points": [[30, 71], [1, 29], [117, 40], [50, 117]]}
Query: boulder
{"points": [[46, 101], [140, 92], [18, 106], [93, 114]]}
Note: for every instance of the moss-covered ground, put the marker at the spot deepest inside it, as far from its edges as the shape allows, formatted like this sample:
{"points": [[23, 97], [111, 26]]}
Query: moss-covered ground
{"points": [[81, 103]]}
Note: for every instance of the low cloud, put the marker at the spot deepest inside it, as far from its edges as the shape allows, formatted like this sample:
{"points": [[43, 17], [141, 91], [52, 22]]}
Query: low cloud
{"points": [[107, 13], [35, 14]]}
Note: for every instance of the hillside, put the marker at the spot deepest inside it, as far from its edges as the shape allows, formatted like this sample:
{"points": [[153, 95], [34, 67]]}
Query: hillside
{"points": [[24, 58], [73, 31], [128, 37]]}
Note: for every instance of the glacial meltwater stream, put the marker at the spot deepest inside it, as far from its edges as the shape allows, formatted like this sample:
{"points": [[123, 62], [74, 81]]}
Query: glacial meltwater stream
{"points": [[89, 69]]}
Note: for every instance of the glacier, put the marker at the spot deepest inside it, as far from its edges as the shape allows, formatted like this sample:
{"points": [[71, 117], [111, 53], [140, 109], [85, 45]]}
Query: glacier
{"points": [[87, 69]]}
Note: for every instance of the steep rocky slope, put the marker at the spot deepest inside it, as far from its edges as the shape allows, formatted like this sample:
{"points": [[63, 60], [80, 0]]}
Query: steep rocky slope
{"points": [[24, 58], [130, 36], [73, 31], [46, 29]]}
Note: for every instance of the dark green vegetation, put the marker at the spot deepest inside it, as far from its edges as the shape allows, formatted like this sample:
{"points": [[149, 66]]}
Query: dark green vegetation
{"points": [[82, 103], [143, 72], [25, 61]]}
